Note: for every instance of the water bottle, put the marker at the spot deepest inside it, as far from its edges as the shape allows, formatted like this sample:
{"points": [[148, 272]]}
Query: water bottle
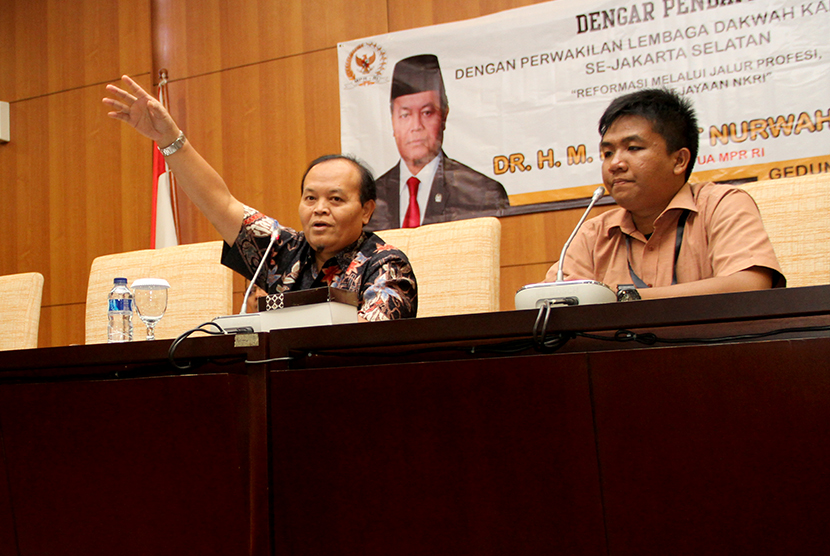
{"points": [[120, 312]]}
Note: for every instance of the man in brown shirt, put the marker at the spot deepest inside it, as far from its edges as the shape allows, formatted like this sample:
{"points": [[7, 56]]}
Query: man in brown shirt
{"points": [[669, 238]]}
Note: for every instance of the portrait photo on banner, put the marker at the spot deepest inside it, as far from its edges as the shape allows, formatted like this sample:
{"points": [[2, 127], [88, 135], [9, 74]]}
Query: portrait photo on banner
{"points": [[498, 115]]}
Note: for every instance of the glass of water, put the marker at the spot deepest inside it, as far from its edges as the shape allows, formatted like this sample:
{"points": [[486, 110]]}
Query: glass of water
{"points": [[150, 296]]}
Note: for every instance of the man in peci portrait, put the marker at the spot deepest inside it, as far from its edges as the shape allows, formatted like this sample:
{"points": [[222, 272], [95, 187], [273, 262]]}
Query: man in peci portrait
{"points": [[426, 186]]}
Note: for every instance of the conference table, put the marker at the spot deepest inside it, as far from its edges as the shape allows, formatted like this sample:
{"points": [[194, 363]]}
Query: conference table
{"points": [[680, 426]]}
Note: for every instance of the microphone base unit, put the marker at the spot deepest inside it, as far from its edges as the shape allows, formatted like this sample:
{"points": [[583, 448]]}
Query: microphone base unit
{"points": [[586, 292], [315, 314]]}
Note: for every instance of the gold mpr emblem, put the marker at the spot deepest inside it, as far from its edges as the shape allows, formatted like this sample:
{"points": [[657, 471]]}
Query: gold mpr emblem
{"points": [[365, 64]]}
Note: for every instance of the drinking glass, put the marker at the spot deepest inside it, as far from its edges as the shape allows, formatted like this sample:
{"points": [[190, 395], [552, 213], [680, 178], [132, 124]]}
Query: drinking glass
{"points": [[150, 296]]}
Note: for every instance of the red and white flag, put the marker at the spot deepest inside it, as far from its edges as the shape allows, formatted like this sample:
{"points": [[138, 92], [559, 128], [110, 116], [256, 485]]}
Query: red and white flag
{"points": [[165, 221]]}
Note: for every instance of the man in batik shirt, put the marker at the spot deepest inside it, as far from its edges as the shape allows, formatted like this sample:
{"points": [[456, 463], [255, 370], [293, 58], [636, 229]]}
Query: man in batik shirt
{"points": [[338, 198], [380, 273]]}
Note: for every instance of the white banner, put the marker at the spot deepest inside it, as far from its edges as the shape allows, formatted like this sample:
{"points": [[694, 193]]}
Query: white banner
{"points": [[526, 87]]}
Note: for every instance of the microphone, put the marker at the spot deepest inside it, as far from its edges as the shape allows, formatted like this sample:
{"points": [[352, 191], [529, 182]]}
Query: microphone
{"points": [[274, 235], [598, 194], [574, 292]]}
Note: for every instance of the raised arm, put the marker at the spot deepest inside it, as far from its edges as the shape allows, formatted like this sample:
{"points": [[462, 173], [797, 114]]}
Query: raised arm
{"points": [[202, 184]]}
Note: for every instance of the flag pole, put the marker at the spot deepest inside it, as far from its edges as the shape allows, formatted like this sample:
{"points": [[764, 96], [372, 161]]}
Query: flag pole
{"points": [[165, 219]]}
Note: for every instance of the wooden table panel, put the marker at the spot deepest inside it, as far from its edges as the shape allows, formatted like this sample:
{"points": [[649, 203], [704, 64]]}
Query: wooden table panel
{"points": [[108, 449], [8, 536], [715, 450], [472, 457], [120, 467], [417, 436]]}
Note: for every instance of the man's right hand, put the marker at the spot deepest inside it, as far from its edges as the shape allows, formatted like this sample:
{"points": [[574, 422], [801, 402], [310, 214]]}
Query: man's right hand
{"points": [[143, 112], [200, 182]]}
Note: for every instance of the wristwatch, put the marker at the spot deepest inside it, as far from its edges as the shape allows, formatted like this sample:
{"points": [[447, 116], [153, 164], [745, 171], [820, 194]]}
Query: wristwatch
{"points": [[627, 292], [174, 146]]}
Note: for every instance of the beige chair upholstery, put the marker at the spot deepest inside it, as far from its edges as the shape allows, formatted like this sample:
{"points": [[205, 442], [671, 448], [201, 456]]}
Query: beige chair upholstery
{"points": [[795, 213], [20, 297], [456, 264], [200, 287]]}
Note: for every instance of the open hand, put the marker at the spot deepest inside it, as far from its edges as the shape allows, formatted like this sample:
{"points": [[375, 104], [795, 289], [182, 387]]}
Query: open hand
{"points": [[139, 109]]}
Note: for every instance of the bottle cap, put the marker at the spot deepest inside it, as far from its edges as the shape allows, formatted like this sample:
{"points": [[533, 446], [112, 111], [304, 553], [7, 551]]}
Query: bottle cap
{"points": [[120, 281]]}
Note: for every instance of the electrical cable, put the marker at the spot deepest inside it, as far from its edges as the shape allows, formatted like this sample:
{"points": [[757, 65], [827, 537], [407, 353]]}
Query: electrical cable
{"points": [[546, 341], [649, 338], [182, 337], [174, 346]]}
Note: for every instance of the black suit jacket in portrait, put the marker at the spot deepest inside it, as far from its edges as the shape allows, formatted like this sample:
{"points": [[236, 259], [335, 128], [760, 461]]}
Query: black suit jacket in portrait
{"points": [[457, 192]]}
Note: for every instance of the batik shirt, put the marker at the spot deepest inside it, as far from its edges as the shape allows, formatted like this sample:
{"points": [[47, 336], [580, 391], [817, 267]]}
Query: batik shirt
{"points": [[379, 273]]}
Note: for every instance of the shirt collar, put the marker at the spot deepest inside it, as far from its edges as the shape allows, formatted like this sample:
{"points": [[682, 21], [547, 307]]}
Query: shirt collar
{"points": [[343, 258], [682, 200], [425, 176]]}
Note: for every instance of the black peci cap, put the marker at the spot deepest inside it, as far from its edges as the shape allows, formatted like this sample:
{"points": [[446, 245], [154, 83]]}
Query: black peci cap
{"points": [[417, 74]]}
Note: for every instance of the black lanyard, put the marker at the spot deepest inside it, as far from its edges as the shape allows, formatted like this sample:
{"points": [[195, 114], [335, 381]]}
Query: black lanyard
{"points": [[681, 226]]}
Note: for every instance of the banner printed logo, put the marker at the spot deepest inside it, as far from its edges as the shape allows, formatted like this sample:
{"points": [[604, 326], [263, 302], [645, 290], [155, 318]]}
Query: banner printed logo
{"points": [[365, 65]]}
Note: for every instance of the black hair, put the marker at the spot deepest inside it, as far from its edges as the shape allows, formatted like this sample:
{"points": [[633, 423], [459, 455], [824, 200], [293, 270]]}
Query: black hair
{"points": [[368, 189], [671, 116]]}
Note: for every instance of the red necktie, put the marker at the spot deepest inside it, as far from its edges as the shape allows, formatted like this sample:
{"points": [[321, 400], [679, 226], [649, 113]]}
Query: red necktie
{"points": [[412, 219]]}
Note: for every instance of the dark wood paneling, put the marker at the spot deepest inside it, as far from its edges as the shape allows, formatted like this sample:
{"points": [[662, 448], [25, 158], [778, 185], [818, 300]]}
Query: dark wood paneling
{"points": [[64, 325], [23, 49], [440, 458], [538, 238], [104, 453], [407, 15], [397, 438], [75, 185], [195, 37], [79, 191], [48, 46], [136, 452], [8, 534], [715, 450], [279, 116]]}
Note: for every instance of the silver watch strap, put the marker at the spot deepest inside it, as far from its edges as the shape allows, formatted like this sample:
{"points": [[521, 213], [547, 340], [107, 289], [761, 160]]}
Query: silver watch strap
{"points": [[174, 146]]}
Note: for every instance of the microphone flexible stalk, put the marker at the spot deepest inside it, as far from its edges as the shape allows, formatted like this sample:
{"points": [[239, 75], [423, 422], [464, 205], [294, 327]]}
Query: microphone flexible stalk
{"points": [[598, 194], [274, 235]]}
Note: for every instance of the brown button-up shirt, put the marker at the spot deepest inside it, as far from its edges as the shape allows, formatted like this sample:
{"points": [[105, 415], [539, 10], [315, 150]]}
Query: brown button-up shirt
{"points": [[723, 235]]}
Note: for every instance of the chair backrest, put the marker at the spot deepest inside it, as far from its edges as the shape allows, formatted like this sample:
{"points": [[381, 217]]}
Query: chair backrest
{"points": [[456, 264], [794, 211], [200, 287], [20, 297]]}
